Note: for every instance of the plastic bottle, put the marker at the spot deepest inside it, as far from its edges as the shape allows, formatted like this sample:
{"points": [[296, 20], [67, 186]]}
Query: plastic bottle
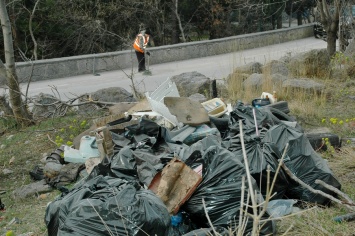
{"points": [[176, 219], [274, 95]]}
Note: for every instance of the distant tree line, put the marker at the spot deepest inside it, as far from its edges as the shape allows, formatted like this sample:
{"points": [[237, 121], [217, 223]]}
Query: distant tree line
{"points": [[44, 29]]}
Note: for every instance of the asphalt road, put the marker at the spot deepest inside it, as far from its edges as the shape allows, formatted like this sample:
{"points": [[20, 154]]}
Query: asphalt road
{"points": [[214, 67]]}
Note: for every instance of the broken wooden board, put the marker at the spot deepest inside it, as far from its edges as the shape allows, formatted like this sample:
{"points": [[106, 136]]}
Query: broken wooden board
{"points": [[121, 107], [187, 111], [175, 184], [102, 121]]}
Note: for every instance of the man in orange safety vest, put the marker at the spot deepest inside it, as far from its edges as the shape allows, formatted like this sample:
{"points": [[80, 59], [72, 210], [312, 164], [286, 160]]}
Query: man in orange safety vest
{"points": [[139, 45]]}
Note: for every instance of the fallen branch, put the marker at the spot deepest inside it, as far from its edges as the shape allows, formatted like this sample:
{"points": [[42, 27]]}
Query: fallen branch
{"points": [[51, 139], [303, 184], [349, 201]]}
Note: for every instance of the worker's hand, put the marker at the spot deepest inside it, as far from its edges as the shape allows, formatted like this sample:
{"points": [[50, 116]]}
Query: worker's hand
{"points": [[148, 53]]}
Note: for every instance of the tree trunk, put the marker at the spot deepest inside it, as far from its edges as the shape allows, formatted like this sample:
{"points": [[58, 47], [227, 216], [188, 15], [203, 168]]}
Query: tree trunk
{"points": [[331, 42], [279, 22], [20, 112], [299, 18]]}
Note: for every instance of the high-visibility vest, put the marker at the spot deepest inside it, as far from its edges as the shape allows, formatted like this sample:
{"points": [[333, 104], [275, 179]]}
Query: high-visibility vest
{"points": [[137, 43]]}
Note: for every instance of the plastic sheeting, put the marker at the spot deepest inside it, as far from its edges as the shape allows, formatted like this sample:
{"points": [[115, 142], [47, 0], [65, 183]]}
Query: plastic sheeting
{"points": [[107, 206]]}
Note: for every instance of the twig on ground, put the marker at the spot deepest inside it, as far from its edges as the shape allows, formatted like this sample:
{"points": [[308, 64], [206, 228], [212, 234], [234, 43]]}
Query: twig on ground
{"points": [[303, 184], [51, 139]]}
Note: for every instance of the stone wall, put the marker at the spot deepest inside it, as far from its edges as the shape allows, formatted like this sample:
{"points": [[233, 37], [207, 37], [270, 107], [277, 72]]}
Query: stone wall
{"points": [[93, 63]]}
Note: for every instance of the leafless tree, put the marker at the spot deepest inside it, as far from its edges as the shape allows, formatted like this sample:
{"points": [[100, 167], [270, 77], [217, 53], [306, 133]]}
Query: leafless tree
{"points": [[329, 17], [20, 111]]}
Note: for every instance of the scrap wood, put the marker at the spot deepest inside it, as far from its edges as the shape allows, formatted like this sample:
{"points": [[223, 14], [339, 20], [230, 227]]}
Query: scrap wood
{"points": [[303, 184], [175, 184]]}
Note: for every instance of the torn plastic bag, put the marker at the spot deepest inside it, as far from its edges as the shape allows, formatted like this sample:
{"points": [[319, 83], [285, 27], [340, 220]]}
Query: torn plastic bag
{"points": [[280, 207], [221, 190], [303, 162], [107, 206]]}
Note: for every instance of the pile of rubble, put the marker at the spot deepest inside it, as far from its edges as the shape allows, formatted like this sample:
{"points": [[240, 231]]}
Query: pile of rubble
{"points": [[171, 170]]}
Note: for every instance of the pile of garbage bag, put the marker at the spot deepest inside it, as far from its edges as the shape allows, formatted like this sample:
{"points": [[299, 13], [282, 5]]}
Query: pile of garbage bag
{"points": [[121, 194]]}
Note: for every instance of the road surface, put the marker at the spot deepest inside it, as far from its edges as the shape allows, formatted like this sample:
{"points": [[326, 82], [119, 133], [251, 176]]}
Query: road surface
{"points": [[214, 67]]}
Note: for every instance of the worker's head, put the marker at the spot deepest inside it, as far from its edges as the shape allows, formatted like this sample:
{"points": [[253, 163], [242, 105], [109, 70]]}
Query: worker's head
{"points": [[147, 31]]}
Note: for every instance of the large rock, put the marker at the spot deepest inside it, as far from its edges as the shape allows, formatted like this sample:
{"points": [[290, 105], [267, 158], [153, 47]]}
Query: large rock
{"points": [[190, 83], [254, 81], [32, 189], [312, 63], [303, 85], [198, 97], [250, 68], [44, 106], [275, 67], [277, 80], [109, 95]]}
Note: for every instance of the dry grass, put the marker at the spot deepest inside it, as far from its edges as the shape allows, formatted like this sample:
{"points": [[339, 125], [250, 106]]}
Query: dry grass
{"points": [[310, 109]]}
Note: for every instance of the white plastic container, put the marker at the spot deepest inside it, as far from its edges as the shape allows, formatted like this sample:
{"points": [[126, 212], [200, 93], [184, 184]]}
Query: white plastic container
{"points": [[156, 100], [88, 149], [268, 95], [215, 107]]}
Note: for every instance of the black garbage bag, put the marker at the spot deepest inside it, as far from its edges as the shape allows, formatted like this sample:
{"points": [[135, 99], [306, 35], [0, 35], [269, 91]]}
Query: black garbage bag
{"points": [[123, 164], [246, 114], [261, 155], [140, 163], [107, 206], [265, 118], [220, 188], [208, 231], [303, 162], [145, 126]]}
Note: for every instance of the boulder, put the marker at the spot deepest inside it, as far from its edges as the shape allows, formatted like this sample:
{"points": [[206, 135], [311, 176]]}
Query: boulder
{"points": [[277, 80], [109, 95], [312, 63], [32, 189], [254, 81], [192, 82], [275, 67], [44, 106], [250, 68], [198, 97], [303, 84]]}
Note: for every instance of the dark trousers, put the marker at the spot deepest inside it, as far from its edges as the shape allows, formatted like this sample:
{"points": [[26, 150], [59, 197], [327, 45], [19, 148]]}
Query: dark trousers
{"points": [[141, 61]]}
